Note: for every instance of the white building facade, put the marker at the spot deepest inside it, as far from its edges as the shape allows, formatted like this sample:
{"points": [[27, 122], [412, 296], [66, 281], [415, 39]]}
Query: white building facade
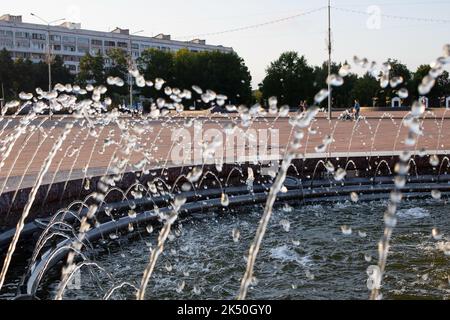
{"points": [[69, 41]]}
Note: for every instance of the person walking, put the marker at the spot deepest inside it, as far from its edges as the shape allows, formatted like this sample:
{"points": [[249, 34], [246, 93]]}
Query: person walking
{"points": [[357, 110], [301, 106], [305, 106]]}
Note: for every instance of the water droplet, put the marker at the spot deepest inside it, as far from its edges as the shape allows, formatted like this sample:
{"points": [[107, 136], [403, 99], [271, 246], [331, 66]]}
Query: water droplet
{"points": [[368, 258], [346, 230], [436, 194], [396, 81], [186, 187], [445, 247], [390, 220], [225, 200], [437, 234], [236, 234], [330, 167], [340, 174], [149, 229], [362, 234], [284, 111], [400, 182], [309, 275], [168, 267], [195, 175], [25, 96], [179, 201], [113, 236], [321, 96], [197, 89], [180, 286], [286, 224], [335, 81], [434, 160], [287, 208], [321, 148], [403, 93], [196, 291], [427, 84], [396, 196], [132, 214], [446, 51], [355, 197], [159, 83], [345, 70]]}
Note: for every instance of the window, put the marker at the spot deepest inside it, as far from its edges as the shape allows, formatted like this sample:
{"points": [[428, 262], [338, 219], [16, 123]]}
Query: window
{"points": [[6, 33], [55, 38], [110, 44], [83, 42], [57, 47], [37, 45], [96, 42], [96, 51], [83, 49], [21, 34], [38, 36], [68, 39], [6, 43], [122, 44], [69, 48], [22, 43], [135, 46]]}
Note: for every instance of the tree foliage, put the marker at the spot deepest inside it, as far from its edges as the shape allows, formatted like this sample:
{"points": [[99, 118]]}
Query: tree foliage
{"points": [[292, 80], [23, 75]]}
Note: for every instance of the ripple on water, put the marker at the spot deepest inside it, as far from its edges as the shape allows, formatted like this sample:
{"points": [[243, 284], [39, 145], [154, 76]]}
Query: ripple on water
{"points": [[414, 213], [285, 254]]}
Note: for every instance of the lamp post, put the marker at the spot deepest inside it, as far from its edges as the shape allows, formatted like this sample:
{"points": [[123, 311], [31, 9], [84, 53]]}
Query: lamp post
{"points": [[2, 100], [330, 114], [49, 51], [130, 52]]}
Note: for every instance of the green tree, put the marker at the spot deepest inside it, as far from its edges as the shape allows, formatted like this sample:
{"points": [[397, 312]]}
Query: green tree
{"points": [[91, 70], [7, 73], [118, 68], [342, 97], [289, 78], [60, 73], [440, 90], [26, 82], [155, 63], [398, 69], [365, 89], [225, 73]]}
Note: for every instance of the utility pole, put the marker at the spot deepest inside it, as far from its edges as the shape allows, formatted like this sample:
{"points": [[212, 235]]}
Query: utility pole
{"points": [[330, 113], [3, 98], [130, 53], [49, 53]]}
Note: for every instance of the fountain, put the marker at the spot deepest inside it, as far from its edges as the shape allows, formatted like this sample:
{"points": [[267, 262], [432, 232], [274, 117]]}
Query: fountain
{"points": [[91, 189]]}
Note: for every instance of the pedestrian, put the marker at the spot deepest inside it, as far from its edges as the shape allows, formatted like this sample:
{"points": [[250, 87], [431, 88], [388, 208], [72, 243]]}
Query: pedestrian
{"points": [[305, 106], [301, 106], [357, 109]]}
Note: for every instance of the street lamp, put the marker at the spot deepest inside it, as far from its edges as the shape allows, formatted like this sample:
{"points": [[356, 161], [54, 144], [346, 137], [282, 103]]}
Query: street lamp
{"points": [[49, 51], [130, 52], [130, 64]]}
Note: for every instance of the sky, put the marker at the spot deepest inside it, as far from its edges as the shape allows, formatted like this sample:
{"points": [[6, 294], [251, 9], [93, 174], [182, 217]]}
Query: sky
{"points": [[375, 35]]}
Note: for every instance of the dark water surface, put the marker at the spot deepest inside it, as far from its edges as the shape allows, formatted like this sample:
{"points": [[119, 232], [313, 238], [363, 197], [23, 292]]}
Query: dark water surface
{"points": [[314, 260]]}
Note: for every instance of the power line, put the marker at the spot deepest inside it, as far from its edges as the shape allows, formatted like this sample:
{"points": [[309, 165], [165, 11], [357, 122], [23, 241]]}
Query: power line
{"points": [[254, 26], [429, 20]]}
